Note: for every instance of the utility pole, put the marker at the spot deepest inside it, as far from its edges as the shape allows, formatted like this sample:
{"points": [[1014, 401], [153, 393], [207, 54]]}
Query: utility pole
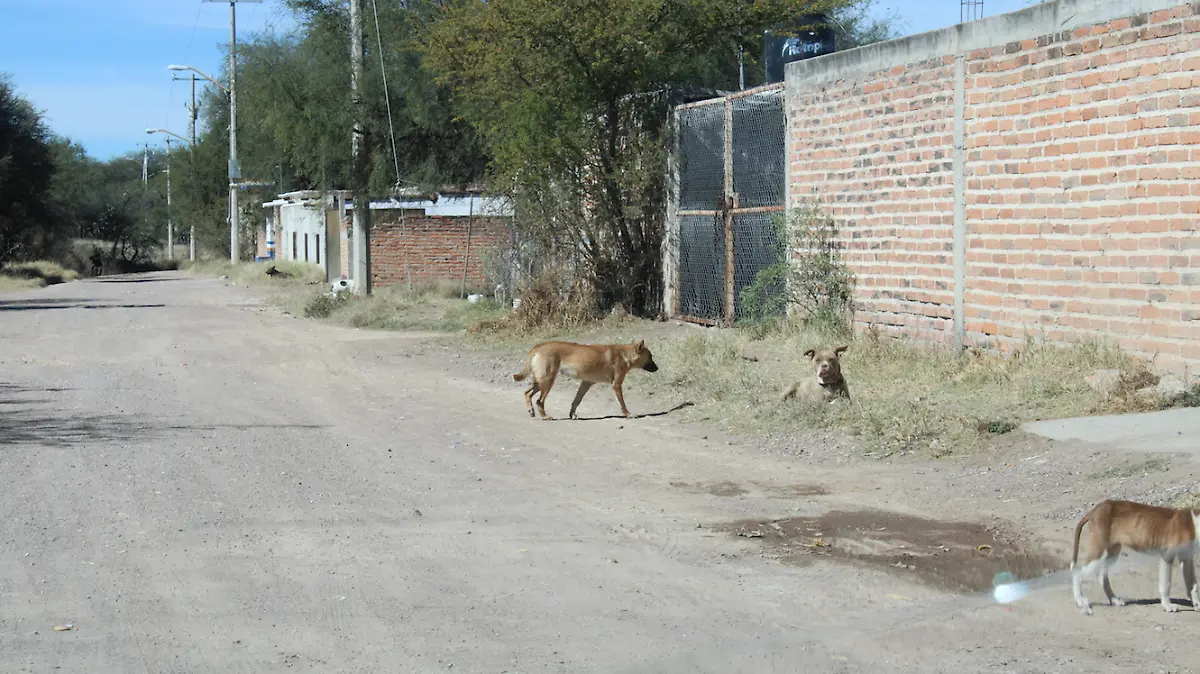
{"points": [[193, 114], [362, 202], [170, 227], [235, 171], [193, 111]]}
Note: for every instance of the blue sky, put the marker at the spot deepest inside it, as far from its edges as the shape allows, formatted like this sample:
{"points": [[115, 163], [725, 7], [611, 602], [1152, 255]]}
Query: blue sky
{"points": [[98, 68]]}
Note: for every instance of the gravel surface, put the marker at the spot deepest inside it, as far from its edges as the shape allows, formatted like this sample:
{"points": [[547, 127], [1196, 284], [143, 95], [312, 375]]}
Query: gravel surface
{"points": [[194, 482]]}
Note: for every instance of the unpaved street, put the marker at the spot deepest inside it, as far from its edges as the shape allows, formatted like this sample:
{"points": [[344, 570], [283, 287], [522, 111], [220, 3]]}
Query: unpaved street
{"points": [[197, 483]]}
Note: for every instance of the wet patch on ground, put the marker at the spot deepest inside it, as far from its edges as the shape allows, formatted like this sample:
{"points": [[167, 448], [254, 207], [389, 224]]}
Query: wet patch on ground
{"points": [[722, 488], [727, 488], [793, 490], [953, 556]]}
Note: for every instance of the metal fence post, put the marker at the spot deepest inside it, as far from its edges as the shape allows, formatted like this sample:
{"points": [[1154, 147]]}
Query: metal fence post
{"points": [[729, 203], [670, 247]]}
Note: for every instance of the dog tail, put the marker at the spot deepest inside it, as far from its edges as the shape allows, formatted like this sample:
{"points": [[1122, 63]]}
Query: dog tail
{"points": [[520, 376], [1079, 529], [789, 391]]}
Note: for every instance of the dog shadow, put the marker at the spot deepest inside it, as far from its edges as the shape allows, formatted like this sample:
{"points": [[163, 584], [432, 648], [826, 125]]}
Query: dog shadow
{"points": [[1154, 602], [647, 415]]}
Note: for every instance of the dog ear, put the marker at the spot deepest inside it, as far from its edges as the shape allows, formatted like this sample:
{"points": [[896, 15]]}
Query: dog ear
{"points": [[840, 350], [811, 353], [641, 345]]}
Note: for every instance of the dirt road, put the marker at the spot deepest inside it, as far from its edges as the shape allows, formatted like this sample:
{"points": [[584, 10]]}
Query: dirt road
{"points": [[197, 483]]}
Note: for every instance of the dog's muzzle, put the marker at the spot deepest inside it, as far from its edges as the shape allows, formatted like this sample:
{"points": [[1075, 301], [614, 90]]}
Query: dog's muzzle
{"points": [[651, 367]]}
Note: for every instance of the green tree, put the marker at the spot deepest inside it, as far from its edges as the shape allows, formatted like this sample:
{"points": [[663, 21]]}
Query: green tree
{"points": [[26, 172], [572, 96], [857, 27], [294, 113], [124, 212], [73, 189], [294, 117]]}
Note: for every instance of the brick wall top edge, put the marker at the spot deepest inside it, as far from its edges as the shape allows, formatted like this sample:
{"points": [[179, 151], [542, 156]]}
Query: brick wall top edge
{"points": [[1054, 16], [488, 221]]}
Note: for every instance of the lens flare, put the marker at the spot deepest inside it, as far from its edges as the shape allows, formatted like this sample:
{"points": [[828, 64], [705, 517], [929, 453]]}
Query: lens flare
{"points": [[1006, 594], [1007, 589]]}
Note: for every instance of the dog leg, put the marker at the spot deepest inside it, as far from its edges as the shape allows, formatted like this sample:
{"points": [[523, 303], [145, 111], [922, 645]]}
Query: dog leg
{"points": [[583, 389], [1110, 558], [1188, 566], [1164, 585], [616, 386], [541, 403], [529, 393], [1077, 588]]}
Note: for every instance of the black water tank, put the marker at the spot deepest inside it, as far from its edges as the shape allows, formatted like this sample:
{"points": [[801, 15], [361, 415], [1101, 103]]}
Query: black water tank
{"points": [[808, 37]]}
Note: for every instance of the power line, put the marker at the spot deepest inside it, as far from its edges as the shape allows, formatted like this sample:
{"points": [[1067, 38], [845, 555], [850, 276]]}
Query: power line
{"points": [[386, 97]]}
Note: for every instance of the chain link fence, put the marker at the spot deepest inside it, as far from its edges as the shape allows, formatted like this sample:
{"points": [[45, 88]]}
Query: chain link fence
{"points": [[730, 180]]}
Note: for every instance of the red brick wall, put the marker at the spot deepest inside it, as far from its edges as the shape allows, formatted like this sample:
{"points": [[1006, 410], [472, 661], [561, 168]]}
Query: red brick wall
{"points": [[1079, 183], [877, 153], [432, 248], [1081, 189], [344, 227]]}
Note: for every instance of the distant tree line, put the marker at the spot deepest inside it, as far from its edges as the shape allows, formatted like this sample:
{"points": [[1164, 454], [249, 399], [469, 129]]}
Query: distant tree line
{"points": [[52, 193]]}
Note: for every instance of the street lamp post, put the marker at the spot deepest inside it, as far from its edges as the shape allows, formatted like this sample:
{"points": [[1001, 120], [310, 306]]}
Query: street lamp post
{"points": [[171, 227], [193, 111], [232, 222], [231, 90], [235, 172]]}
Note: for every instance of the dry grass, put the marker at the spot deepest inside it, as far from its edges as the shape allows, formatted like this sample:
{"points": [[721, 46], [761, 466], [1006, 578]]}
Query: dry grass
{"points": [[25, 275], [397, 308], [10, 284], [908, 397], [255, 273], [303, 292]]}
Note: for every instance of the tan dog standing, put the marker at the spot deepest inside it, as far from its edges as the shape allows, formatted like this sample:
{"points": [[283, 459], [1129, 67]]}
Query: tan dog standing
{"points": [[828, 384], [1166, 533], [590, 363]]}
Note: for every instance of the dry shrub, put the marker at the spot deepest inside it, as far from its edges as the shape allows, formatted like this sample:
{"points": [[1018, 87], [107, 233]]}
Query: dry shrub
{"points": [[40, 272], [395, 308], [555, 299]]}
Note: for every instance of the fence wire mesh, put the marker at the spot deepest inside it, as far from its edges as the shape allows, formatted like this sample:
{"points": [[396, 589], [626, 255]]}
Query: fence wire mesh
{"points": [[711, 275], [758, 149], [701, 267], [756, 247], [701, 157]]}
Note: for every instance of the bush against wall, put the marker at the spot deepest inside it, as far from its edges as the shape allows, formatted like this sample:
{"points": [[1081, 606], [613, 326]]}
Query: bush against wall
{"points": [[809, 277]]}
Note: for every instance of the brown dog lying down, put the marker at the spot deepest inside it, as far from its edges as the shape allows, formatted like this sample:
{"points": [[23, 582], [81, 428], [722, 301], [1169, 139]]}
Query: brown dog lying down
{"points": [[827, 384], [590, 363]]}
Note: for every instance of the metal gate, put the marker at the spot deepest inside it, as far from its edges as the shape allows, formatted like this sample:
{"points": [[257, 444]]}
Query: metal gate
{"points": [[731, 175]]}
